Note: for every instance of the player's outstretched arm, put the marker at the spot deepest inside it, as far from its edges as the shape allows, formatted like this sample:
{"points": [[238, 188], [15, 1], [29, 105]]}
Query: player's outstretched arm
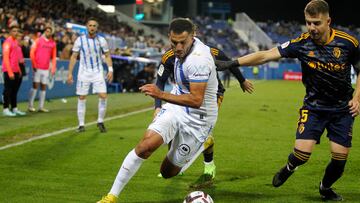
{"points": [[253, 59]]}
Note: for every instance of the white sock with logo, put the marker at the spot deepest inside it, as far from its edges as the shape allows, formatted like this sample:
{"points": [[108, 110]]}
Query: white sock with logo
{"points": [[102, 110], [129, 167], [32, 96], [42, 99], [81, 110]]}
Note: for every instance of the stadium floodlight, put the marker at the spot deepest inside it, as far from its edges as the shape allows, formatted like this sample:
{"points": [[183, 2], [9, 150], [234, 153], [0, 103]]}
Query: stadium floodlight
{"points": [[107, 8]]}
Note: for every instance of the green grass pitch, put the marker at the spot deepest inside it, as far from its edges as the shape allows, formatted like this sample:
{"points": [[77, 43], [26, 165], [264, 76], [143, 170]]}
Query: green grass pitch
{"points": [[254, 135]]}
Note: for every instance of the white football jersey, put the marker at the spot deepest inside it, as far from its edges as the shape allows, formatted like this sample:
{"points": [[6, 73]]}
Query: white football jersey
{"points": [[91, 50], [198, 66]]}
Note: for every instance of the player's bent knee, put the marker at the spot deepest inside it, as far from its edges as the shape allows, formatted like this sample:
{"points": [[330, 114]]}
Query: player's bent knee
{"points": [[82, 97], [168, 169], [102, 95], [148, 145], [144, 150]]}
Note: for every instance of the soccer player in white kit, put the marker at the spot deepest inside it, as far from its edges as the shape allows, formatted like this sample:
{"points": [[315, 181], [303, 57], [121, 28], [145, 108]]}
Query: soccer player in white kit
{"points": [[91, 47], [188, 117]]}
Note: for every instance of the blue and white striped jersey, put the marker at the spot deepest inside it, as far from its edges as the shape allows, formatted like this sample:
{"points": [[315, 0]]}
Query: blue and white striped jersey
{"points": [[198, 66], [91, 50]]}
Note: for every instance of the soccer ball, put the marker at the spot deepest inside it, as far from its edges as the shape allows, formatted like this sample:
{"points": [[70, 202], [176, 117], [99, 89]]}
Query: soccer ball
{"points": [[198, 197]]}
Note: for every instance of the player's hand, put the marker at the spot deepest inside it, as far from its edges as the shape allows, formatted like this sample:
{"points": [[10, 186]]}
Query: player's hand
{"points": [[12, 76], [157, 110], [70, 79], [109, 76], [224, 65], [354, 107], [247, 86], [52, 73], [151, 90]]}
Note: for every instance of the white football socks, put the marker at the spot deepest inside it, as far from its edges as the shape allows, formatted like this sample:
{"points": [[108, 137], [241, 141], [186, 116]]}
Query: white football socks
{"points": [[81, 109], [42, 99], [32, 96], [102, 110], [129, 167]]}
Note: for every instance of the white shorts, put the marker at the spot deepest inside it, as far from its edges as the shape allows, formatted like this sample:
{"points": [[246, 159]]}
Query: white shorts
{"points": [[82, 88], [41, 76], [172, 126]]}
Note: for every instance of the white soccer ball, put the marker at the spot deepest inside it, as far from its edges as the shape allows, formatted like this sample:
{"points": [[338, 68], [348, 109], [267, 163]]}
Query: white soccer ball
{"points": [[198, 197]]}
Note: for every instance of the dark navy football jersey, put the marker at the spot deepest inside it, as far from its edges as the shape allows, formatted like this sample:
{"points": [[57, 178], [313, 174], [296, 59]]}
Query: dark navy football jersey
{"points": [[326, 69], [166, 70]]}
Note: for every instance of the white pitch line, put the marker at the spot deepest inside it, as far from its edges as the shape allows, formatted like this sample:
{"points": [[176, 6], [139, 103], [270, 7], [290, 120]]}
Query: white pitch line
{"points": [[71, 128]]}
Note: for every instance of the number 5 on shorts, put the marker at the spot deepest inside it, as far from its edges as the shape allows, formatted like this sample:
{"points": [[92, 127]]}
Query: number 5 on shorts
{"points": [[304, 115]]}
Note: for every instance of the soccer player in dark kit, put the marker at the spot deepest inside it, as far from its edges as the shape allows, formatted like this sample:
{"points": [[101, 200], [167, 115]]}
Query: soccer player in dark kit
{"points": [[166, 70], [326, 56]]}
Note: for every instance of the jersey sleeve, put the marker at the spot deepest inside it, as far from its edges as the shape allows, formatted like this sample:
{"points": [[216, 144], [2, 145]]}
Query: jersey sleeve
{"points": [[77, 45], [104, 45], [164, 72], [200, 70], [290, 49]]}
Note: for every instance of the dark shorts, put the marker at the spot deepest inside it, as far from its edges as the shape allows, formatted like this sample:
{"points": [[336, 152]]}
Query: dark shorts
{"points": [[339, 126]]}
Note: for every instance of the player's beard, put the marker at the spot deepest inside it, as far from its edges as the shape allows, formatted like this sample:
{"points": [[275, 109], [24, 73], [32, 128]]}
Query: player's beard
{"points": [[315, 35], [92, 32]]}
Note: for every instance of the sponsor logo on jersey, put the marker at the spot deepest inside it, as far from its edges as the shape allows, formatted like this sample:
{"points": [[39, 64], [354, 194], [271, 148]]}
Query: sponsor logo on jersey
{"points": [[337, 52], [326, 66]]}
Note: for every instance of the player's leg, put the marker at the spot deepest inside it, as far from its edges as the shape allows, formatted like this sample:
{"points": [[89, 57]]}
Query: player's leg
{"points": [[209, 168], [42, 95], [206, 179], [132, 162], [82, 89], [183, 151], [32, 96], [33, 91], [100, 88], [8, 88], [339, 133], [311, 125], [17, 83], [209, 164]]}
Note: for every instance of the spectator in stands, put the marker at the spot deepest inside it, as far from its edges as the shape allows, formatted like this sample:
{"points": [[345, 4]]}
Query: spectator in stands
{"points": [[12, 73]]}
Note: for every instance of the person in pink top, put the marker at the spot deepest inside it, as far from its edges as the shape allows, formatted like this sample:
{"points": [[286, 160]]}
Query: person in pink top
{"points": [[12, 73], [42, 51]]}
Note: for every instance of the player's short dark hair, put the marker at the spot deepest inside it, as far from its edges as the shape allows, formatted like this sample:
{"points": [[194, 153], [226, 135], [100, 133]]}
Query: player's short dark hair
{"points": [[91, 19], [315, 7], [14, 26], [180, 25], [48, 27]]}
